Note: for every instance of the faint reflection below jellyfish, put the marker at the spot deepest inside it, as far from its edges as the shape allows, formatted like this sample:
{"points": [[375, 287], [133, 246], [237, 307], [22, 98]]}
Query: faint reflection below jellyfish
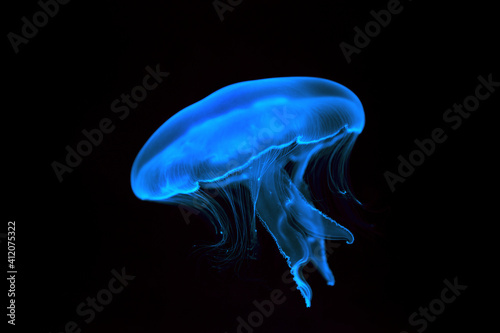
{"points": [[254, 142]]}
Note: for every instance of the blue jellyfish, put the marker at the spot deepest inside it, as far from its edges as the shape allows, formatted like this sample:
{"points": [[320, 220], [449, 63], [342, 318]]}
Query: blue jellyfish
{"points": [[254, 143]]}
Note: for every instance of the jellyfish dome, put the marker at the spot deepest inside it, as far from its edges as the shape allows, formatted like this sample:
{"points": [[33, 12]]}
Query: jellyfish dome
{"points": [[255, 142]]}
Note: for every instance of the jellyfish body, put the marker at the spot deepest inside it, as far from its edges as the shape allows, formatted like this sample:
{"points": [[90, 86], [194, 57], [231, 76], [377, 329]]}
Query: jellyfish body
{"points": [[254, 142]]}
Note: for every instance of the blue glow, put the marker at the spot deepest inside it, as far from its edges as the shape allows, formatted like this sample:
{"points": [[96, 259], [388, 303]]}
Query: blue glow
{"points": [[255, 143]]}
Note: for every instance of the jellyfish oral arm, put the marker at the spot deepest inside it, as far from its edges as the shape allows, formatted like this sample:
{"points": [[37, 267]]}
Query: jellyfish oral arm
{"points": [[298, 228]]}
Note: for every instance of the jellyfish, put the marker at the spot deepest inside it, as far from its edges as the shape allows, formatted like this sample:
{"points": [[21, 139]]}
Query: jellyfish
{"points": [[255, 143]]}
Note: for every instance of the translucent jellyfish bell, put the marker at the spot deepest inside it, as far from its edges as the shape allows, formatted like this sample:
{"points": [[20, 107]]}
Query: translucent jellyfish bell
{"points": [[253, 142]]}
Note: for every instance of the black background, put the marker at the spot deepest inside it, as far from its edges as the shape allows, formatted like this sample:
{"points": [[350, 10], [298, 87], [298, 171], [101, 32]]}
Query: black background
{"points": [[436, 225]]}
